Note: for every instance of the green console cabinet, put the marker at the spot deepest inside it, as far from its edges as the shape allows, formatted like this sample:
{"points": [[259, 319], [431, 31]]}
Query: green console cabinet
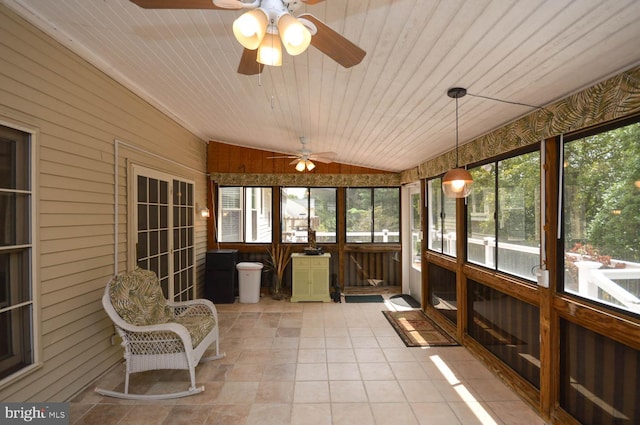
{"points": [[310, 277]]}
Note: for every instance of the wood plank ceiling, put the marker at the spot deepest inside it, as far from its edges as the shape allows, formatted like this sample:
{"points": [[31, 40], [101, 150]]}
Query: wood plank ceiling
{"points": [[391, 111]]}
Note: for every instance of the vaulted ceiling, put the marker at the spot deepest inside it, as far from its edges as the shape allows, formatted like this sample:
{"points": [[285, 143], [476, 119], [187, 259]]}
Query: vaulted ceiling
{"points": [[389, 112]]}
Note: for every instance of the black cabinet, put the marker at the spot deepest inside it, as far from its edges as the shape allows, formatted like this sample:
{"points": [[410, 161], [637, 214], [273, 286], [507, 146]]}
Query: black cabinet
{"points": [[220, 277]]}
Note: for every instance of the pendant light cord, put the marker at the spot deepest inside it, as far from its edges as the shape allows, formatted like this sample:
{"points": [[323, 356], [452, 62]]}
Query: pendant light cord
{"points": [[456, 132], [456, 93], [510, 102]]}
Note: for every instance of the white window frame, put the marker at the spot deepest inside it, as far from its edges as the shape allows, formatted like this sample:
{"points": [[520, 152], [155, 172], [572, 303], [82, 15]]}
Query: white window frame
{"points": [[263, 210], [36, 337]]}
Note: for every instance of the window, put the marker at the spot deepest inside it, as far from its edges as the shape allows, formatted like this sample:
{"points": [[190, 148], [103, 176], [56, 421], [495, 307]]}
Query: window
{"points": [[17, 334], [441, 219], [416, 233], [601, 217], [373, 215], [308, 208], [245, 214], [503, 231]]}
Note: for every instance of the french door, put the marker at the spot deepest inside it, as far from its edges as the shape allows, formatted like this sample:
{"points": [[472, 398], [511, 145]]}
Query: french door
{"points": [[164, 217]]}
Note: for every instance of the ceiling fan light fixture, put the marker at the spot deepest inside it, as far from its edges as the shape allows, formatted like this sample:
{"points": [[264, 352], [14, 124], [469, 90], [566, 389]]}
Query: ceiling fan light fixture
{"points": [[295, 36], [270, 50], [250, 28], [300, 165], [310, 165]]}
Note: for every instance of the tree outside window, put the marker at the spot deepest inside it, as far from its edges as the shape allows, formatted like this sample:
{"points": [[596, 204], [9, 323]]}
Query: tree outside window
{"points": [[503, 231], [601, 217], [373, 215]]}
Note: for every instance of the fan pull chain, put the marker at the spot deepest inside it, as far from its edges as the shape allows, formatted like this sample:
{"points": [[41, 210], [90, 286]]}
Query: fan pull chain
{"points": [[272, 101]]}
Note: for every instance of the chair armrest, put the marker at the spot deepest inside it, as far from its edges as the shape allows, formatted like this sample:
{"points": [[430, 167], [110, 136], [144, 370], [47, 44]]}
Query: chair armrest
{"points": [[194, 307], [132, 334], [173, 327], [125, 327]]}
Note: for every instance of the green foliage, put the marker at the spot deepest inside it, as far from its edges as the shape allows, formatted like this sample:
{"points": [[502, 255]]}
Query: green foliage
{"points": [[602, 199], [373, 209]]}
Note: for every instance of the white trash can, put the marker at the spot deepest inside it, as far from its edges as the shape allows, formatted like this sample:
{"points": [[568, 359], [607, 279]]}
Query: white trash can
{"points": [[249, 281]]}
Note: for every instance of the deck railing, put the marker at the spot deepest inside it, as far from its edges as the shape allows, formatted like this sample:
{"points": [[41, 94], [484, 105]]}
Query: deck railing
{"points": [[597, 283]]}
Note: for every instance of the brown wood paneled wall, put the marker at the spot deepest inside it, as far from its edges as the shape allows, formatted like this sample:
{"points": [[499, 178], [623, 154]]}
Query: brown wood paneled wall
{"points": [[372, 269], [226, 158], [378, 261]]}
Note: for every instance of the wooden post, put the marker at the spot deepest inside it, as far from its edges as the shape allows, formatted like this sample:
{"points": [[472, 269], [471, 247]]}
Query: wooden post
{"points": [[461, 258], [549, 321]]}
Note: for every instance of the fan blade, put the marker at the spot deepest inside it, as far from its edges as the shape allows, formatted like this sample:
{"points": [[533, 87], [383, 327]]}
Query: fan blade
{"points": [[283, 157], [295, 161], [321, 159], [334, 45], [176, 4], [248, 63], [325, 157], [230, 4]]}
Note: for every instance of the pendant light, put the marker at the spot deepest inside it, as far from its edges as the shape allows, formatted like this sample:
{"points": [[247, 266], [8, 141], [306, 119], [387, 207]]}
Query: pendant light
{"points": [[457, 182]]}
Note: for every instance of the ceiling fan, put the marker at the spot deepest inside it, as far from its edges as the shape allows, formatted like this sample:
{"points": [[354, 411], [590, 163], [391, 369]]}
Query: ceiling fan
{"points": [[270, 24], [304, 158]]}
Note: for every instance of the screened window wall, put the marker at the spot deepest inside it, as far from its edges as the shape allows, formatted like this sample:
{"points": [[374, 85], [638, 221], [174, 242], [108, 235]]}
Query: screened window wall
{"points": [[503, 215], [245, 214], [373, 215], [601, 217], [441, 222], [416, 230], [304, 209]]}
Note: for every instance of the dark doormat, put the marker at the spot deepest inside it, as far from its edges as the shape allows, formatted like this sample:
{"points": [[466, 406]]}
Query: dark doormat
{"points": [[417, 330], [363, 298], [404, 300]]}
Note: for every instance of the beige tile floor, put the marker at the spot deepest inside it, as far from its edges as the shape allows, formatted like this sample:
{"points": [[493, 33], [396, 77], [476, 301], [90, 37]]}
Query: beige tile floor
{"points": [[314, 363]]}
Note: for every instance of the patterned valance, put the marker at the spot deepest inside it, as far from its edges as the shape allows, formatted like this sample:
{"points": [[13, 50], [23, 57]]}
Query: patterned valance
{"points": [[606, 101], [307, 179]]}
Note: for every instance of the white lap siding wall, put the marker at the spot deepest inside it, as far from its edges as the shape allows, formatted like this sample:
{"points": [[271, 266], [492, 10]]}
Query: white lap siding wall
{"points": [[77, 113]]}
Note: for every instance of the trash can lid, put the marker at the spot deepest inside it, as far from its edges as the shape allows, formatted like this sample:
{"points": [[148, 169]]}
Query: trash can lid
{"points": [[249, 266]]}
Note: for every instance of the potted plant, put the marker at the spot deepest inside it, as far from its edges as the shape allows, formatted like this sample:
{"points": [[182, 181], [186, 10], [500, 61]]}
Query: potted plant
{"points": [[279, 257]]}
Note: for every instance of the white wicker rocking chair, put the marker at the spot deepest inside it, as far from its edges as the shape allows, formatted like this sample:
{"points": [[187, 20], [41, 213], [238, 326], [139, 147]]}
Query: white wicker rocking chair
{"points": [[157, 334]]}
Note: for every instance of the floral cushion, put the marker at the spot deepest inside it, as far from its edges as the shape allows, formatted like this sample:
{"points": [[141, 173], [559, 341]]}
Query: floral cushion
{"points": [[198, 327], [138, 299]]}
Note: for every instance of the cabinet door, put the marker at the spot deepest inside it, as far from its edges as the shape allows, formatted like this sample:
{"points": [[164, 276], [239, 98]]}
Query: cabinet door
{"points": [[301, 278], [320, 277]]}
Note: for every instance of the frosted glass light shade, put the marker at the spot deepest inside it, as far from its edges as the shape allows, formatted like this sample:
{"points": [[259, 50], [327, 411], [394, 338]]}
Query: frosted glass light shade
{"points": [[457, 183], [250, 28], [270, 50], [310, 165], [295, 36]]}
